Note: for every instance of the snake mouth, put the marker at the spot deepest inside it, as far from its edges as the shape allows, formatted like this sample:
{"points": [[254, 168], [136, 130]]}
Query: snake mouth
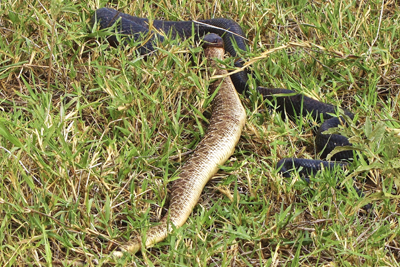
{"points": [[213, 40]]}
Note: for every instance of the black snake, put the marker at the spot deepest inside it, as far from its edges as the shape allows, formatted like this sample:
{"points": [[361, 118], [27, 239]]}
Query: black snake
{"points": [[292, 103]]}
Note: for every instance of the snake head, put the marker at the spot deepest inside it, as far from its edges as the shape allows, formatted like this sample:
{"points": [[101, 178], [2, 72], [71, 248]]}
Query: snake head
{"points": [[213, 46], [213, 40]]}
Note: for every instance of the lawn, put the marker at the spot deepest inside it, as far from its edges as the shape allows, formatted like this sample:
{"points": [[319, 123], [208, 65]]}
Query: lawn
{"points": [[91, 136]]}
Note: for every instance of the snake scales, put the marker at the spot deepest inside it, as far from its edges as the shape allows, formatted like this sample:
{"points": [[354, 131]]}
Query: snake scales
{"points": [[226, 123], [228, 115]]}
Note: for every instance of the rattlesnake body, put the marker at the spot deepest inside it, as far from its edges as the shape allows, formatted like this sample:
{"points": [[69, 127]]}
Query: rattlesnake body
{"points": [[226, 123]]}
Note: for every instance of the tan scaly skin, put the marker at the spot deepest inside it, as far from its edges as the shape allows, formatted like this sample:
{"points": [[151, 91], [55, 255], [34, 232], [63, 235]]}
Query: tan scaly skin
{"points": [[226, 124]]}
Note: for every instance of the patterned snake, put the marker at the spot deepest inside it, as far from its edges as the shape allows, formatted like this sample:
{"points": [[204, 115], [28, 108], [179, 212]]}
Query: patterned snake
{"points": [[228, 115], [226, 123]]}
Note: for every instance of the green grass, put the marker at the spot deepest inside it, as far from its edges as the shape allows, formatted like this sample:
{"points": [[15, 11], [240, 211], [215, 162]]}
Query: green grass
{"points": [[91, 136]]}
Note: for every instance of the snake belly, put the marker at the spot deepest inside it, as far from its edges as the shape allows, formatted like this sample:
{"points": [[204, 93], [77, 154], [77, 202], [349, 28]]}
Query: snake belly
{"points": [[226, 123]]}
